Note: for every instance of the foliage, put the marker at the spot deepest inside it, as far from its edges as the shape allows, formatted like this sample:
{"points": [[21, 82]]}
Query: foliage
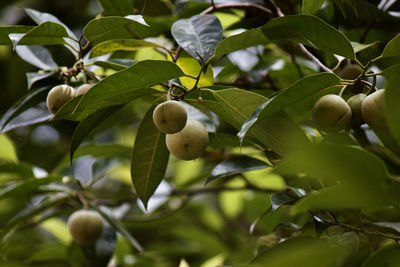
{"points": [[271, 189]]}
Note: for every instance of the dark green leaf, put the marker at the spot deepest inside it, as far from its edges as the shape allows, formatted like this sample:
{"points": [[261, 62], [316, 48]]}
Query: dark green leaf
{"points": [[285, 198], [311, 6], [392, 49], [388, 256], [23, 170], [110, 65], [87, 126], [33, 77], [149, 158], [198, 35], [300, 91], [5, 31], [311, 31], [110, 28], [36, 55], [116, 8], [124, 45], [236, 165]]}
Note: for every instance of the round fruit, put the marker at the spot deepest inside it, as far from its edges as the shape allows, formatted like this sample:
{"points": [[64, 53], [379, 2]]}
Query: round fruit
{"points": [[58, 96], [355, 106], [331, 113], [351, 72], [170, 117], [83, 89], [373, 110], [190, 143], [85, 226]]}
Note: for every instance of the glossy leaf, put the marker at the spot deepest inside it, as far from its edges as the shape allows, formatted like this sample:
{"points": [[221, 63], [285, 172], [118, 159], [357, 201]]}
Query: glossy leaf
{"points": [[5, 31], [236, 165], [36, 55], [116, 8], [285, 198], [149, 158], [198, 35], [311, 31], [33, 77], [311, 6], [123, 44], [87, 126], [392, 49], [387, 256], [301, 91], [110, 28], [121, 87]]}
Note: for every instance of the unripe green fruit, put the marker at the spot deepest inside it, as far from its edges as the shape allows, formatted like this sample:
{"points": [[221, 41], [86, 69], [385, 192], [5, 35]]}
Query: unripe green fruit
{"points": [[58, 96], [351, 72], [373, 110], [85, 226], [331, 113], [170, 117], [355, 106], [190, 143], [83, 89]]}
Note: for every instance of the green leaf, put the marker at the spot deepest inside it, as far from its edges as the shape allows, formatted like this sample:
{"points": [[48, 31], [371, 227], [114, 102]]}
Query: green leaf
{"points": [[8, 151], [33, 77], [307, 251], [47, 33], [198, 35], [387, 256], [88, 125], [392, 49], [311, 31], [36, 55], [121, 87], [236, 165], [298, 93], [22, 169], [149, 158], [5, 31], [285, 198], [392, 97], [116, 7], [111, 28], [311, 6], [110, 65], [122, 44], [347, 166]]}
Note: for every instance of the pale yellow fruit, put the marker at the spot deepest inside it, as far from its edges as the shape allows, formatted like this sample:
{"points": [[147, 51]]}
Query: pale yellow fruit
{"points": [[355, 105], [83, 89], [190, 143], [331, 113], [170, 117], [85, 226], [351, 72], [373, 110], [58, 96]]}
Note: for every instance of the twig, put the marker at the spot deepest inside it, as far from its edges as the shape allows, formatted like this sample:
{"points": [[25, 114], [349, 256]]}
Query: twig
{"points": [[314, 58]]}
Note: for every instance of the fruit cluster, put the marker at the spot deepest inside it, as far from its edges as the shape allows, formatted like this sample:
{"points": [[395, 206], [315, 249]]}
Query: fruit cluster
{"points": [[61, 94], [186, 139]]}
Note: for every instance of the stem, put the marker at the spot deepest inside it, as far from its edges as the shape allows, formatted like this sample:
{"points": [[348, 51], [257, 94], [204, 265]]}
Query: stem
{"points": [[314, 58]]}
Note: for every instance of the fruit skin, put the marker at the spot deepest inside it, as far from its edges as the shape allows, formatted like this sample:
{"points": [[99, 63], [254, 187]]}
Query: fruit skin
{"points": [[170, 117], [190, 143], [83, 89], [373, 110], [58, 96], [355, 105], [331, 113], [351, 72], [85, 226]]}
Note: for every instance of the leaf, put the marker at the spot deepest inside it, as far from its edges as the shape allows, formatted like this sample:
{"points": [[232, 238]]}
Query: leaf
{"points": [[347, 166], [116, 8], [387, 256], [121, 87], [149, 158], [110, 65], [285, 198], [5, 31], [311, 31], [8, 151], [28, 110], [311, 6], [122, 44], [111, 28], [87, 126], [300, 91], [47, 33], [392, 97], [33, 77], [21, 169], [198, 35], [37, 55], [236, 165], [392, 49], [307, 251]]}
